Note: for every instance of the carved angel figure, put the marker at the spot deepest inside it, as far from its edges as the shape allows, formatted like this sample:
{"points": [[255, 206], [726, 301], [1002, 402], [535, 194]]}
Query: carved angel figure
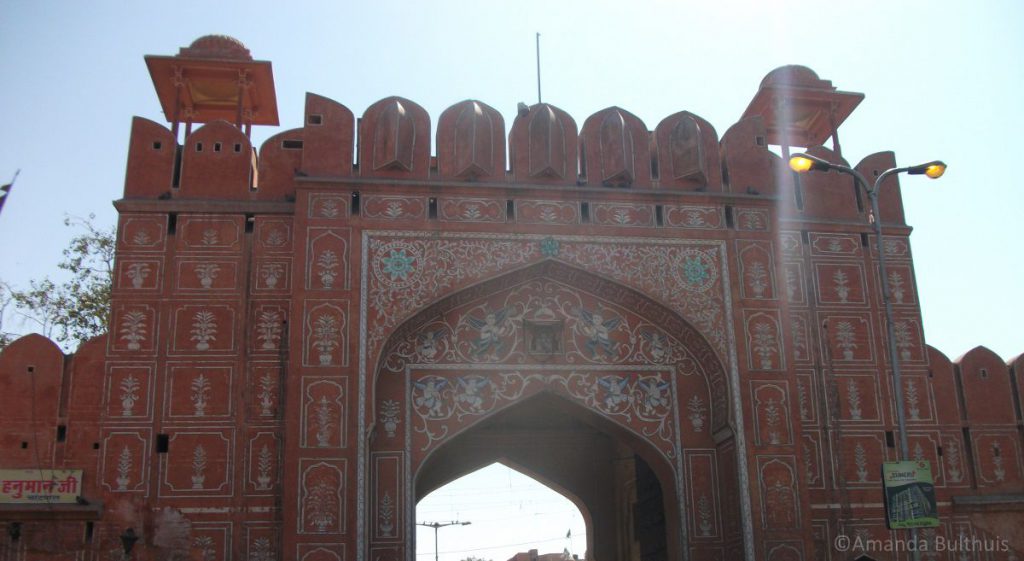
{"points": [[427, 343], [598, 330], [653, 394], [470, 387], [614, 386], [430, 395], [492, 328]]}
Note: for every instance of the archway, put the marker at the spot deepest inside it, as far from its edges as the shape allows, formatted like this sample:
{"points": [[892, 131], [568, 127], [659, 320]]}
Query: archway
{"points": [[501, 370]]}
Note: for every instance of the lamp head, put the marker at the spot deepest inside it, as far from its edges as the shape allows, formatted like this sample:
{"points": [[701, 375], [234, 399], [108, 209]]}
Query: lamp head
{"points": [[803, 163], [933, 170]]}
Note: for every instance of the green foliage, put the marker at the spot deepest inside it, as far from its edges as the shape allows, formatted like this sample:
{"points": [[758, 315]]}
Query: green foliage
{"points": [[78, 308]]}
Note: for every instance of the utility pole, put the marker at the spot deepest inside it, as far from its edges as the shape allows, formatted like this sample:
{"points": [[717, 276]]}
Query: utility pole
{"points": [[438, 525]]}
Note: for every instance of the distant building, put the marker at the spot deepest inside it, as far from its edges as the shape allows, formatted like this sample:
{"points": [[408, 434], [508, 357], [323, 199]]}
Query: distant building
{"points": [[669, 328]]}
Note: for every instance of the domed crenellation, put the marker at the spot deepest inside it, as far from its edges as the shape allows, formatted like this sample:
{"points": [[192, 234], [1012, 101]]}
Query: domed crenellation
{"points": [[216, 47]]}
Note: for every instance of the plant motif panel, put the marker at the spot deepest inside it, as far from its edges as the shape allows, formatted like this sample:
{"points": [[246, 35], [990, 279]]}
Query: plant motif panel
{"points": [[142, 233], [125, 462], [907, 336], [268, 322], [203, 328], [757, 270], [139, 274], [780, 500], [404, 275], [793, 282], [129, 395], [857, 396], [206, 275], [327, 261], [902, 286], [133, 328], [394, 208], [895, 247], [471, 210], [954, 460], [998, 459], [324, 410], [764, 341], [694, 217], [263, 458], [443, 403], [840, 284], [918, 398], [791, 244], [623, 214], [800, 333], [811, 460], [207, 233], [271, 275], [321, 497], [210, 541], [198, 463], [859, 457], [264, 391], [198, 393], [325, 338], [328, 207], [771, 414], [262, 543], [835, 245], [387, 518], [807, 397], [273, 235], [547, 212], [847, 338], [752, 219], [924, 447], [704, 517]]}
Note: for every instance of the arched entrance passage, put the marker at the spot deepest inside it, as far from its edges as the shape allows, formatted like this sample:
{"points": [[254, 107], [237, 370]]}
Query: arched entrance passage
{"points": [[632, 369], [623, 487]]}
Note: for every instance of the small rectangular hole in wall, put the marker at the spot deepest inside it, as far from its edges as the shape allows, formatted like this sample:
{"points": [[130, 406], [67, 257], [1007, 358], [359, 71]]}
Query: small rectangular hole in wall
{"points": [[659, 215], [890, 439], [938, 449], [355, 203], [30, 369], [216, 146], [176, 180], [315, 120], [432, 209], [24, 445], [729, 222], [510, 210], [983, 373], [199, 146], [291, 144], [250, 222], [172, 223], [585, 212], [655, 170], [760, 141], [62, 433], [238, 147], [88, 532], [95, 445], [930, 373], [163, 442], [864, 240], [157, 145]]}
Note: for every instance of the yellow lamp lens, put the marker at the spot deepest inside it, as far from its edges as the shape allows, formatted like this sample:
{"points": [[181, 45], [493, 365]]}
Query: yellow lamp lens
{"points": [[800, 164], [935, 171]]}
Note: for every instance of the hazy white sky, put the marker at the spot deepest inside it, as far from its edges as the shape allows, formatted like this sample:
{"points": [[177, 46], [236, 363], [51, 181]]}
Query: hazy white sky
{"points": [[942, 78]]}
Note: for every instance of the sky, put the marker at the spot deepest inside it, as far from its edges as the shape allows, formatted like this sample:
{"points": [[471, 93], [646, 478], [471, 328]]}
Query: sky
{"points": [[942, 81]]}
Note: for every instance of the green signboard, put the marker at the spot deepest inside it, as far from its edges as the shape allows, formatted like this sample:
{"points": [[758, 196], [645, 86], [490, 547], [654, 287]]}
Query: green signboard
{"points": [[909, 495]]}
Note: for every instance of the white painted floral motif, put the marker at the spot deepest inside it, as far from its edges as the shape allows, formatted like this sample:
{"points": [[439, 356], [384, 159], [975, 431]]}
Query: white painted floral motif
{"points": [[548, 214], [694, 218], [275, 238], [896, 286], [271, 273], [323, 420], [329, 208], [791, 284], [321, 506], [206, 273], [124, 469], [261, 550], [205, 546], [764, 343], [809, 468], [952, 454], [394, 209], [386, 514], [697, 413], [204, 329], [757, 279], [780, 503], [919, 452], [997, 463], [801, 397], [845, 339], [853, 398], [264, 465], [841, 284], [901, 333], [141, 238], [913, 401], [327, 264], [704, 512], [266, 395], [799, 339], [133, 329], [389, 417], [200, 394], [137, 272], [199, 460], [471, 212], [129, 394], [860, 459], [326, 335], [209, 237], [268, 329], [772, 418]]}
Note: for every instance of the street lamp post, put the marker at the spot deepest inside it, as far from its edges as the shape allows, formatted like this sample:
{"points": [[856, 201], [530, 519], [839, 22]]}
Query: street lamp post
{"points": [[803, 163], [438, 525]]}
